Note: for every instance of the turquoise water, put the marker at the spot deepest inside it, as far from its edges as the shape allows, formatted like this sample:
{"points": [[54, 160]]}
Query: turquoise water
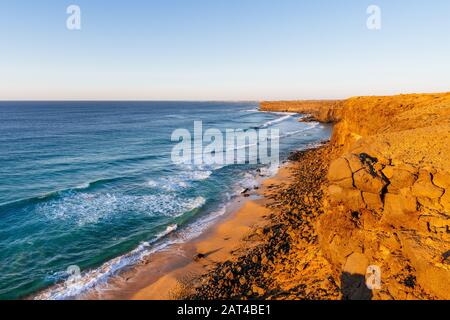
{"points": [[92, 184]]}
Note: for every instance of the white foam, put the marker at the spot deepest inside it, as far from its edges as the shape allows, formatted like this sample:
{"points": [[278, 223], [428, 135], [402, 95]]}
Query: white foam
{"points": [[197, 175], [281, 113], [249, 181], [197, 228], [310, 126], [168, 230], [272, 122], [269, 171], [179, 181], [84, 209], [152, 183], [83, 186]]}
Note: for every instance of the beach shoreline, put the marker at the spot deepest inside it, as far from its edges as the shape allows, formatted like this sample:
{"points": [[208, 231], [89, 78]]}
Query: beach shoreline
{"points": [[126, 273], [165, 274], [288, 256]]}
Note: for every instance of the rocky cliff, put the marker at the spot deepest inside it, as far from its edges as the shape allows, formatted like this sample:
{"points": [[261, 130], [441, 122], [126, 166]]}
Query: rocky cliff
{"points": [[388, 192], [321, 110]]}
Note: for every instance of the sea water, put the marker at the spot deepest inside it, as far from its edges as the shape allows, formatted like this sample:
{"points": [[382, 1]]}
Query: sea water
{"points": [[92, 185]]}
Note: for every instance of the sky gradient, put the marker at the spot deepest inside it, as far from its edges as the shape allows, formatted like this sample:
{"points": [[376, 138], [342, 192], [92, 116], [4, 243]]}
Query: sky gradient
{"points": [[222, 49]]}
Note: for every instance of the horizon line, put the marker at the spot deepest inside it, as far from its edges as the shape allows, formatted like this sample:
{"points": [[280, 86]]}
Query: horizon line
{"points": [[219, 100]]}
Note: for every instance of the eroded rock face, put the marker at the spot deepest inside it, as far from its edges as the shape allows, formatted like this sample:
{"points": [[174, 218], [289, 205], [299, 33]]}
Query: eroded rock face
{"points": [[403, 199], [389, 190], [394, 189], [356, 182]]}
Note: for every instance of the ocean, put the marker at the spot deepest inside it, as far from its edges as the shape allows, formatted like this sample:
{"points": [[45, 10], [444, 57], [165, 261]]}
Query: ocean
{"points": [[92, 185]]}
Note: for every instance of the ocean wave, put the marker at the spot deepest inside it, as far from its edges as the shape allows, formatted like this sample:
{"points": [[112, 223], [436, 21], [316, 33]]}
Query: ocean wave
{"points": [[59, 193], [93, 279], [180, 181], [96, 278], [281, 113], [269, 171], [76, 286], [310, 126], [89, 184], [196, 228], [197, 175], [84, 209], [249, 181], [272, 122], [82, 186]]}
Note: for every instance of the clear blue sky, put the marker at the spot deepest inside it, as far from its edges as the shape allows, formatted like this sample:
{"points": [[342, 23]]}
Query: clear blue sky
{"points": [[222, 49]]}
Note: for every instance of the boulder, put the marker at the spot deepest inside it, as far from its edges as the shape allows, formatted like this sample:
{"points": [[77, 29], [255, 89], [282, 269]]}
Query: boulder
{"points": [[351, 198], [339, 170], [372, 201], [403, 166], [401, 179], [425, 188], [400, 204], [367, 182], [258, 290], [335, 192], [432, 277], [354, 161], [356, 263], [345, 183], [388, 172]]}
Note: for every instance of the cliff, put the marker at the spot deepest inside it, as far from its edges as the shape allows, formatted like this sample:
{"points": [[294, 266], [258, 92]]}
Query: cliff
{"points": [[387, 198], [321, 110]]}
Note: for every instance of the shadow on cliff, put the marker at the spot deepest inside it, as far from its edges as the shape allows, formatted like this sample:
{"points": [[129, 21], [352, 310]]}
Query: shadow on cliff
{"points": [[354, 287]]}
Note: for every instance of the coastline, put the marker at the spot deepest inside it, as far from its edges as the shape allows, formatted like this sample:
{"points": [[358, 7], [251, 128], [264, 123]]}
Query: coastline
{"points": [[373, 205], [126, 275], [287, 262], [165, 274], [369, 207], [376, 196]]}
